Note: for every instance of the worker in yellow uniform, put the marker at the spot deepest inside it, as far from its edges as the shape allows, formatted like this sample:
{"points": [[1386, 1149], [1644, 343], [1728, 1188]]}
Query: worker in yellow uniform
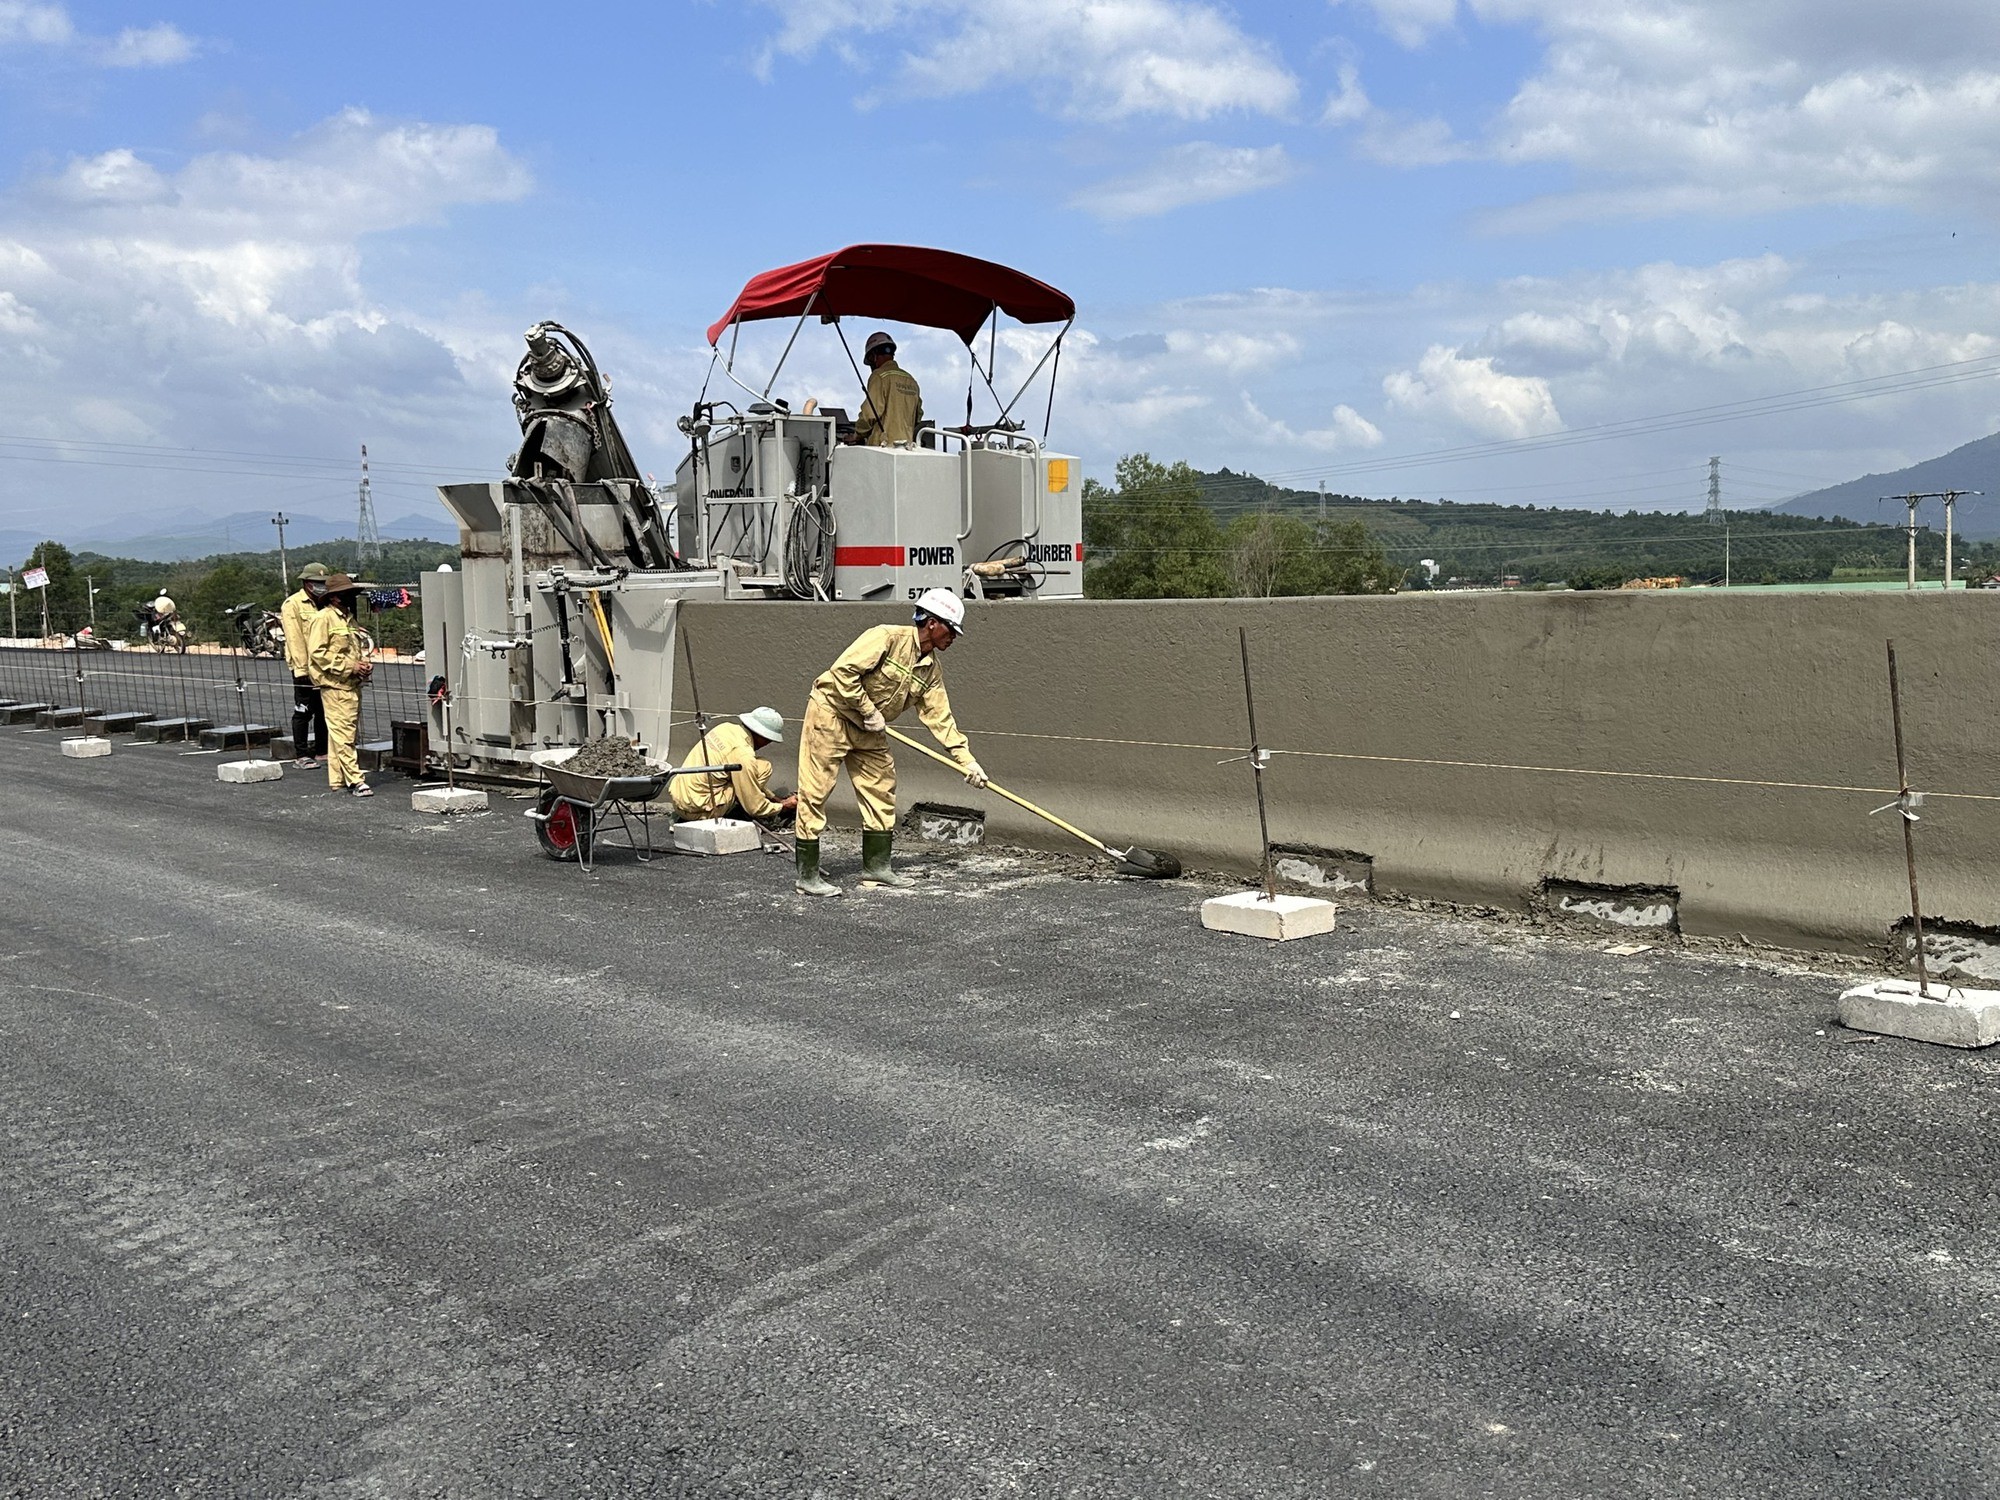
{"points": [[874, 681], [894, 406], [744, 792], [337, 658], [308, 713]]}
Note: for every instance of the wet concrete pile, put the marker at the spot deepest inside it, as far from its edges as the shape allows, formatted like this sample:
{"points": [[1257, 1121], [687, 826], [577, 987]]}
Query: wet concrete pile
{"points": [[608, 757]]}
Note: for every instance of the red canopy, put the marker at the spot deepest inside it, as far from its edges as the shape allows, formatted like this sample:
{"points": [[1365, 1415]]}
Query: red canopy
{"points": [[899, 283]]}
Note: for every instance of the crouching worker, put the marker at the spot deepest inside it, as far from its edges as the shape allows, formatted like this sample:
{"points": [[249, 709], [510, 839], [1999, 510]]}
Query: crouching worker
{"points": [[743, 793], [852, 703]]}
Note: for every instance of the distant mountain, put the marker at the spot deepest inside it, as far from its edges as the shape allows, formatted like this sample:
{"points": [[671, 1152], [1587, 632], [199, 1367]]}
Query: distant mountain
{"points": [[1976, 466], [187, 534]]}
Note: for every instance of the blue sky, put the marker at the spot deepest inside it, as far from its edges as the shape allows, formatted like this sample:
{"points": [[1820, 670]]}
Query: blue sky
{"points": [[1316, 240]]}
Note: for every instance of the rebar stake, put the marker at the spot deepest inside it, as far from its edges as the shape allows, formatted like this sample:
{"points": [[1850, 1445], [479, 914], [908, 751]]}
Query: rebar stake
{"points": [[1908, 819], [1259, 758]]}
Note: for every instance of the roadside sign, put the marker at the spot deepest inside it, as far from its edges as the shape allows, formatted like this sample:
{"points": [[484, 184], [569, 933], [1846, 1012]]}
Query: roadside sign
{"points": [[36, 578]]}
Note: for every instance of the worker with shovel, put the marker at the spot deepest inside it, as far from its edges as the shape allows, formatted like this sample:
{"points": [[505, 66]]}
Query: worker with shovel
{"points": [[872, 683]]}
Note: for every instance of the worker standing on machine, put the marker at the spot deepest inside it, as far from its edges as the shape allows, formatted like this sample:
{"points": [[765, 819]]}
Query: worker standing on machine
{"points": [[340, 668], [873, 682], [894, 406], [744, 792], [308, 714]]}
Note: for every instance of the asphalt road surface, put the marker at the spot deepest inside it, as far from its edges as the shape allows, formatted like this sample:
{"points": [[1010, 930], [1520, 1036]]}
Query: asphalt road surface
{"points": [[350, 1152]]}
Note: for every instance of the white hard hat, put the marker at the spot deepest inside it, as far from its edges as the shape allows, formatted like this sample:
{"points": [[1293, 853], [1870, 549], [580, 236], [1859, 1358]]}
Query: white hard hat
{"points": [[943, 604], [879, 339], [765, 723]]}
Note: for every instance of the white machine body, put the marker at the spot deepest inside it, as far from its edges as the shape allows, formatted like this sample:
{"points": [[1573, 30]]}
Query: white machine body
{"points": [[785, 511]]}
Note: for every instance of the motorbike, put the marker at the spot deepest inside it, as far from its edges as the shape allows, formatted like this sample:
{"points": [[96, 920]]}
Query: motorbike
{"points": [[167, 634], [261, 630]]}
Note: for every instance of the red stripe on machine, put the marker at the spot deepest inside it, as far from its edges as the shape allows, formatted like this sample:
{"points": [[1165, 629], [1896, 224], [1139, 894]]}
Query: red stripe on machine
{"points": [[868, 557]]}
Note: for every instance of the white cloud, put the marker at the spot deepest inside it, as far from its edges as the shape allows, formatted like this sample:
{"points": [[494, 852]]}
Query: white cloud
{"points": [[33, 23], [1102, 60], [1234, 351], [1352, 430], [157, 46], [1412, 22], [222, 304], [1704, 106], [1181, 176], [1471, 393], [39, 25]]}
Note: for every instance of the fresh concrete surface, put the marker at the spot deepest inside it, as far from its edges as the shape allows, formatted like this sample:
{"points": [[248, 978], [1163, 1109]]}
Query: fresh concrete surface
{"points": [[242, 772], [717, 836], [86, 747], [357, 1152], [1278, 919], [1944, 1014], [446, 799]]}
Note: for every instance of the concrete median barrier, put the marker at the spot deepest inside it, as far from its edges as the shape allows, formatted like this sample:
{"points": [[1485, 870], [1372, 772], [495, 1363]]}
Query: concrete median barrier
{"points": [[1721, 750]]}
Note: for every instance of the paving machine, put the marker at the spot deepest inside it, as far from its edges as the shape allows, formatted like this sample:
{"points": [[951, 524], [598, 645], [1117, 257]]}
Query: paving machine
{"points": [[784, 508], [558, 626]]}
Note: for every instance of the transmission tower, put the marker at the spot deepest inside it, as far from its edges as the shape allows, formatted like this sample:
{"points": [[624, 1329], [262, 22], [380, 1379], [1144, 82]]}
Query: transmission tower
{"points": [[1715, 491], [367, 540]]}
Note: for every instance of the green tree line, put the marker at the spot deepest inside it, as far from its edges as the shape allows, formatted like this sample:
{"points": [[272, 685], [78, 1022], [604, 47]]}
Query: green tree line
{"points": [[1550, 545], [1154, 536], [87, 585]]}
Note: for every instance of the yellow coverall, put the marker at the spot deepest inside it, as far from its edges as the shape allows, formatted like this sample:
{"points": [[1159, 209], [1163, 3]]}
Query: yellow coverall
{"points": [[892, 409], [881, 670], [333, 656], [296, 615], [720, 793]]}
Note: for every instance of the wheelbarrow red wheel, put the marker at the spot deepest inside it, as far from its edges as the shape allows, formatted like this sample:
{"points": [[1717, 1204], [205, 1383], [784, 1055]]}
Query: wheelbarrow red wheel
{"points": [[563, 827]]}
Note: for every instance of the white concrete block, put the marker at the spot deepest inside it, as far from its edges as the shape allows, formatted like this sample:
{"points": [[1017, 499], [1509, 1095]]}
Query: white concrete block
{"points": [[86, 748], [237, 772], [1280, 919], [1945, 1014], [447, 799], [717, 836]]}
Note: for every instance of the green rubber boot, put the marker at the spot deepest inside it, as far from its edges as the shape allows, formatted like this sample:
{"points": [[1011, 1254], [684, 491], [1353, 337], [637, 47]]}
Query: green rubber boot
{"points": [[810, 881], [875, 846]]}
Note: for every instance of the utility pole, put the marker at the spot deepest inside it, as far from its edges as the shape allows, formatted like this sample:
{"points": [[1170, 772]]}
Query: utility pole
{"points": [[367, 540], [1950, 499], [1322, 502], [1725, 553], [281, 521], [1714, 513], [44, 592], [1910, 581], [13, 593], [90, 591]]}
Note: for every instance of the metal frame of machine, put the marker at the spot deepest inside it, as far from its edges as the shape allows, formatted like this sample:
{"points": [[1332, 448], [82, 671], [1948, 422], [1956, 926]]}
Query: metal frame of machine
{"points": [[982, 509], [559, 626]]}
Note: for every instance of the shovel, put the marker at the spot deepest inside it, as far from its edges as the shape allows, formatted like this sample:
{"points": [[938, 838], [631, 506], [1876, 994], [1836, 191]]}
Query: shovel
{"points": [[1149, 863]]}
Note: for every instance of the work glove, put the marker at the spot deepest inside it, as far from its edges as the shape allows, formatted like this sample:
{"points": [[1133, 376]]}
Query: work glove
{"points": [[873, 722], [975, 776]]}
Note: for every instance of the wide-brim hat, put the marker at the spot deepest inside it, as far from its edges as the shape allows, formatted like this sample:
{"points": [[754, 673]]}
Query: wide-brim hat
{"points": [[765, 723], [340, 583]]}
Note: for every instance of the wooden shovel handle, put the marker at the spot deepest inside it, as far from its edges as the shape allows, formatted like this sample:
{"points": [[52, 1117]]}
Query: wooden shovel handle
{"points": [[995, 787]]}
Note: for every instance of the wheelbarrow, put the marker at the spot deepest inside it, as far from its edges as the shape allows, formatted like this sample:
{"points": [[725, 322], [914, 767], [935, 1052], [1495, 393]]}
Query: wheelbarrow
{"points": [[574, 811]]}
